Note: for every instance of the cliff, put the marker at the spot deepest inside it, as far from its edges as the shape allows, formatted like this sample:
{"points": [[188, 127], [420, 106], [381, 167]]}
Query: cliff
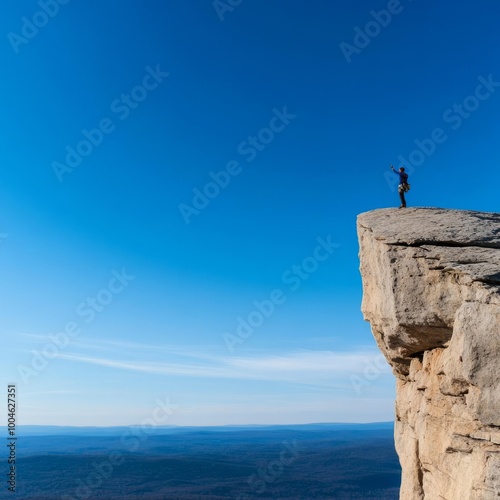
{"points": [[431, 292]]}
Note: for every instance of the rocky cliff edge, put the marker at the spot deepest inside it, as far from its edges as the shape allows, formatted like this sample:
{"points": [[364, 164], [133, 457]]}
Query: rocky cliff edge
{"points": [[431, 292]]}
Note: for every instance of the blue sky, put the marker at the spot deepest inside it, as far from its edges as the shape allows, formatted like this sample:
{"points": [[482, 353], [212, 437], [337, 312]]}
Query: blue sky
{"points": [[148, 277]]}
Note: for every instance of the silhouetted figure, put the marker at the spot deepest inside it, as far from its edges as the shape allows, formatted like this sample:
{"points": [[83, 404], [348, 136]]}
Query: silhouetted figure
{"points": [[403, 185]]}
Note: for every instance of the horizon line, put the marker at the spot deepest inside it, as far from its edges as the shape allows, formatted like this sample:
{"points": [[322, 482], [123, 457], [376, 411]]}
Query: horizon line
{"points": [[201, 425]]}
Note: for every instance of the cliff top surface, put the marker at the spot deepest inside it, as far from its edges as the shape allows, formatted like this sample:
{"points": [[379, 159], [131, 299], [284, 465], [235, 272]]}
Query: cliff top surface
{"points": [[433, 226]]}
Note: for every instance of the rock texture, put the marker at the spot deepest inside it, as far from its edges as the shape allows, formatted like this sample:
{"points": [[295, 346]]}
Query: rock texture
{"points": [[431, 291]]}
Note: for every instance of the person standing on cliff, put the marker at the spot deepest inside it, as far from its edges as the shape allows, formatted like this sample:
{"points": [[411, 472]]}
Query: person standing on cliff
{"points": [[403, 184]]}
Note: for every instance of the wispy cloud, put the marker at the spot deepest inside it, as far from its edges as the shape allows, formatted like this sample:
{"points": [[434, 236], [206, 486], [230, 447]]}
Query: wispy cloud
{"points": [[321, 368], [148, 366], [45, 393], [113, 346], [315, 367], [303, 361]]}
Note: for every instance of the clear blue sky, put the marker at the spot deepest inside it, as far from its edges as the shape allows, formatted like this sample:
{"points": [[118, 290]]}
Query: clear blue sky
{"points": [[306, 122]]}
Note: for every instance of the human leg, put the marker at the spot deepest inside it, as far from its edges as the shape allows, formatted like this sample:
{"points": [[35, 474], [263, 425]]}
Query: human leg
{"points": [[402, 196]]}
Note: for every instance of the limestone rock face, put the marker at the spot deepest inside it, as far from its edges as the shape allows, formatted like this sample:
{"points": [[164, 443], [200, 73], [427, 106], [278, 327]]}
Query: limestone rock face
{"points": [[431, 291]]}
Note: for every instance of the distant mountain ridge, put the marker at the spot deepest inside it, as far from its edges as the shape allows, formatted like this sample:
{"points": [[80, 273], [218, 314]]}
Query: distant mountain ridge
{"points": [[55, 430]]}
